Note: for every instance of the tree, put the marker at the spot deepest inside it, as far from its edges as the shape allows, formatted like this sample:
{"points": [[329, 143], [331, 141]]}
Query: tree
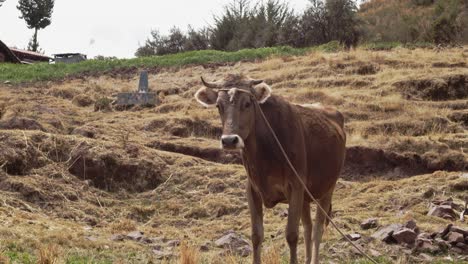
{"points": [[37, 14], [342, 21]]}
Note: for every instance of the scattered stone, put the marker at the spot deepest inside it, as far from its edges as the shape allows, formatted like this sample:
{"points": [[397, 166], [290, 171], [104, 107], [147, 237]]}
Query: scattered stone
{"points": [[442, 244], [369, 223], [244, 251], [205, 247], [443, 211], [445, 231], [173, 243], [117, 237], [463, 246], [234, 243], [459, 230], [82, 100], [411, 224], [425, 245], [426, 257], [353, 237], [423, 236], [284, 213], [405, 235], [429, 193], [374, 253], [91, 238], [162, 254], [454, 238], [385, 233], [135, 235]]}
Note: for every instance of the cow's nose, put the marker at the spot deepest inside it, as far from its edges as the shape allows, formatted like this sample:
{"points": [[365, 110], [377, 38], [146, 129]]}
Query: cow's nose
{"points": [[229, 141]]}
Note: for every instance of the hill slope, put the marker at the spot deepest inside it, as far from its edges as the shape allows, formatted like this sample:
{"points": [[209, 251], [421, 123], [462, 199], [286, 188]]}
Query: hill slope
{"points": [[72, 179], [411, 20]]}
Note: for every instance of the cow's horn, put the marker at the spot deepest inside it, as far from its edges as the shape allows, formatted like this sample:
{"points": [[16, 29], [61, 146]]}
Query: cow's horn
{"points": [[212, 85], [255, 82]]}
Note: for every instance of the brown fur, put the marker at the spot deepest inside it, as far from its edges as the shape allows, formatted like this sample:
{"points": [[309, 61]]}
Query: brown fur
{"points": [[314, 140]]}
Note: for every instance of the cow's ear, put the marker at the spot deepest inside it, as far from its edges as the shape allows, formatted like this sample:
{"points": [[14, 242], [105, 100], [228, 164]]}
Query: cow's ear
{"points": [[206, 97], [262, 92]]}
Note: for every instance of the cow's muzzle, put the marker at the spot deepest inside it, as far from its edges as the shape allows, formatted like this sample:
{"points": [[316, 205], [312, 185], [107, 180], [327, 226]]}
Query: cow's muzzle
{"points": [[231, 142]]}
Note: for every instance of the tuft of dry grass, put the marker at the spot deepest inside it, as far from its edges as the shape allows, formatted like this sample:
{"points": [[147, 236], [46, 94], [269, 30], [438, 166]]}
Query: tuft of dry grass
{"points": [[49, 254], [188, 254], [272, 255]]}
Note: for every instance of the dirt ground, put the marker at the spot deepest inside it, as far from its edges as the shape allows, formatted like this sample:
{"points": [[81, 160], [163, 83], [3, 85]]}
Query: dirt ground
{"points": [[72, 177]]}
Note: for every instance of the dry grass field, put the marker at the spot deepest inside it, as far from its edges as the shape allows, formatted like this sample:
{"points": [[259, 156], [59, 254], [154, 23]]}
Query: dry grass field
{"points": [[72, 177]]}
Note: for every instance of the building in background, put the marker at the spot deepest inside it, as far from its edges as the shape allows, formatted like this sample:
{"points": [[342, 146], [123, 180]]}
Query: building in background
{"points": [[6, 55], [14, 55], [69, 57]]}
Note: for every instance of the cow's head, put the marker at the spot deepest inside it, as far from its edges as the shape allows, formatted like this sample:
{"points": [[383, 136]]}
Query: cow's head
{"points": [[236, 106]]}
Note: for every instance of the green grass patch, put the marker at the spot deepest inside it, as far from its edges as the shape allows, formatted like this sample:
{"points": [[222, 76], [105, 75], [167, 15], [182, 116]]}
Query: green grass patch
{"points": [[17, 73], [376, 46]]}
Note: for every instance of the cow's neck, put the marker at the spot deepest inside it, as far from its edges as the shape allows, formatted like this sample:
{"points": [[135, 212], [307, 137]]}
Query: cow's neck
{"points": [[260, 141]]}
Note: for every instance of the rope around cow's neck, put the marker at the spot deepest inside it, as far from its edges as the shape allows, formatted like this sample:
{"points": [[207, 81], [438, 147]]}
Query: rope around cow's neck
{"points": [[300, 179]]}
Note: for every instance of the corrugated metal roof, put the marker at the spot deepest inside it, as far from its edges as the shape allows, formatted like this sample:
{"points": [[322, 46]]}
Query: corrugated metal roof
{"points": [[30, 53]]}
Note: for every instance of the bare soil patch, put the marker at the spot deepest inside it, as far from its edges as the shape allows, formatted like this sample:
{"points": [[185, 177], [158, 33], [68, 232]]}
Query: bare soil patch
{"points": [[445, 88]]}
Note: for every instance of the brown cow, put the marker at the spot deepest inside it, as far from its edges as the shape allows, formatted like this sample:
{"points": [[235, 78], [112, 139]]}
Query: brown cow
{"points": [[313, 138]]}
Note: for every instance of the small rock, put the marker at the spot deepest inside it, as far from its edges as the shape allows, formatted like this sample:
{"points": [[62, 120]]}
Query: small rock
{"points": [[374, 253], [426, 257], [446, 230], [135, 235], [161, 254], [385, 233], [205, 247], [369, 223], [284, 213], [234, 243], [405, 235], [459, 230], [244, 251], [411, 224], [7, 82], [173, 243], [231, 240], [117, 237], [91, 238], [443, 211], [423, 236], [462, 246], [442, 244], [456, 250], [429, 193], [454, 238], [425, 245], [353, 237]]}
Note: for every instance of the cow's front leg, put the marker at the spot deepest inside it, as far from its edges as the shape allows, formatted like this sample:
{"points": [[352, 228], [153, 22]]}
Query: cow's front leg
{"points": [[256, 217], [296, 200]]}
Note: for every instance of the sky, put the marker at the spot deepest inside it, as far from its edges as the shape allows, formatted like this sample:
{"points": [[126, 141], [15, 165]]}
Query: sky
{"points": [[109, 27]]}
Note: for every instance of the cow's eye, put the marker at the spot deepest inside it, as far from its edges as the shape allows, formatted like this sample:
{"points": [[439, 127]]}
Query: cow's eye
{"points": [[246, 104]]}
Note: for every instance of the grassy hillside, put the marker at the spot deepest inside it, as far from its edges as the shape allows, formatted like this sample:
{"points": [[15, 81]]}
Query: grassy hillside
{"points": [[42, 71], [72, 178]]}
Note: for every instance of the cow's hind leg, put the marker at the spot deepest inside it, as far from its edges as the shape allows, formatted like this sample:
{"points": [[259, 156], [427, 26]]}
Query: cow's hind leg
{"points": [[319, 224], [307, 224], [294, 216], [256, 217]]}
